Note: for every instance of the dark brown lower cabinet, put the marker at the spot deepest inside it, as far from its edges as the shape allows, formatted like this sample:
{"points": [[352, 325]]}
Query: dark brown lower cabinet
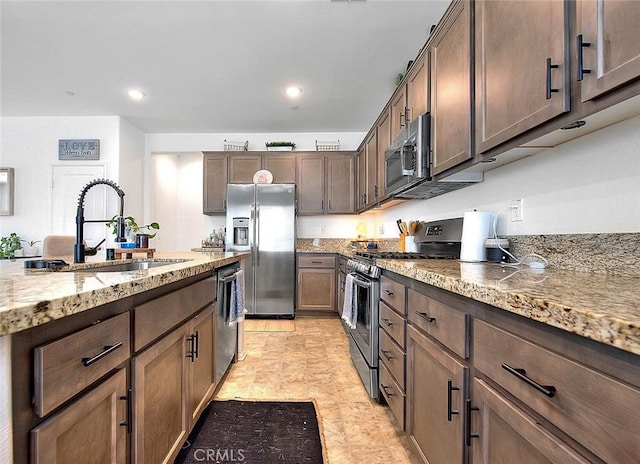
{"points": [[316, 282], [160, 399], [508, 435], [202, 369], [92, 430], [173, 381], [436, 390]]}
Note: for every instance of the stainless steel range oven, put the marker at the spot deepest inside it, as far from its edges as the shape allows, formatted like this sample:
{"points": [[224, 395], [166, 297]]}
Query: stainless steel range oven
{"points": [[436, 240], [364, 279]]}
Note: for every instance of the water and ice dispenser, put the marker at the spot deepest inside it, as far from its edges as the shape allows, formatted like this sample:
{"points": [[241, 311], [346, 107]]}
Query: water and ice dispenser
{"points": [[241, 231]]}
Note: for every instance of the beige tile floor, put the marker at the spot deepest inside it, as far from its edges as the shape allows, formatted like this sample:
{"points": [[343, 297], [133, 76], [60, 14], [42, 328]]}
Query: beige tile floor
{"points": [[313, 362]]}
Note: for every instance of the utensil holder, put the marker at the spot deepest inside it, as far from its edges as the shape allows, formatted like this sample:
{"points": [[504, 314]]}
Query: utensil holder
{"points": [[410, 246], [401, 243]]}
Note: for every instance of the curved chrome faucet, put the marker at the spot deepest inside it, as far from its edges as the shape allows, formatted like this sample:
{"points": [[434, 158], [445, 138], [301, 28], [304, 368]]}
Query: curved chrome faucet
{"points": [[78, 248]]}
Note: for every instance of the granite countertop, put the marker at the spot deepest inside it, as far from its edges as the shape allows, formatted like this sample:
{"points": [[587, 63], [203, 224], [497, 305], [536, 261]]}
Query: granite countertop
{"points": [[33, 297], [600, 307]]}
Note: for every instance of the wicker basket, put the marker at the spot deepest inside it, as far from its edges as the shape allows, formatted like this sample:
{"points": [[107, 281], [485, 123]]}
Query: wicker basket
{"points": [[328, 146], [236, 146]]}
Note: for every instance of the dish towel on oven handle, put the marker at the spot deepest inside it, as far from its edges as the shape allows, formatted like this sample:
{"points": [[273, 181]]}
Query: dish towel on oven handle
{"points": [[236, 309], [349, 311]]}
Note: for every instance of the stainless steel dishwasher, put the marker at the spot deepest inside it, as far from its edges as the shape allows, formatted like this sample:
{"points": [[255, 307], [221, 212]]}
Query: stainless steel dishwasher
{"points": [[226, 335]]}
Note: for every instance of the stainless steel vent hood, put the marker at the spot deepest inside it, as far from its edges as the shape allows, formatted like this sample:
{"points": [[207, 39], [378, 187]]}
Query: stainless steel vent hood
{"points": [[433, 188]]}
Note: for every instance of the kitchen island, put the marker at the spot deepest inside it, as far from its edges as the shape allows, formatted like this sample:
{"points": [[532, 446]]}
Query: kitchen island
{"points": [[40, 307]]}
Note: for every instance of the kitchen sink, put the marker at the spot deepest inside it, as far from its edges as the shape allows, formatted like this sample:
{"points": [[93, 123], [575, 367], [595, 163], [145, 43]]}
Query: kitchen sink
{"points": [[134, 266]]}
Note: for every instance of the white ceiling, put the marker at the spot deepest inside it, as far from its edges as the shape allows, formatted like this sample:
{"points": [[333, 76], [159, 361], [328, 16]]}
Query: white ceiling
{"points": [[210, 66]]}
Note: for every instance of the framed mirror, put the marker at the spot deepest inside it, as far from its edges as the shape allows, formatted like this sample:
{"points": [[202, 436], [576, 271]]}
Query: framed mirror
{"points": [[6, 191]]}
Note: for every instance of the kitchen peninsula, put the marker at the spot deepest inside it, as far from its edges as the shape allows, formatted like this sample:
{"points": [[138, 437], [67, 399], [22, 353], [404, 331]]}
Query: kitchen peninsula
{"points": [[141, 322]]}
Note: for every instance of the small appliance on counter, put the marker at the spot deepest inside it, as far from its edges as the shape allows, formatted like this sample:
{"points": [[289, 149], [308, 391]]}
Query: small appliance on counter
{"points": [[476, 228], [495, 249]]}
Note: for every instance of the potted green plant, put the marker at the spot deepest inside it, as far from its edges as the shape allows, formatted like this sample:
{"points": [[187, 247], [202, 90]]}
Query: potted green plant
{"points": [[280, 146], [133, 228], [9, 245]]}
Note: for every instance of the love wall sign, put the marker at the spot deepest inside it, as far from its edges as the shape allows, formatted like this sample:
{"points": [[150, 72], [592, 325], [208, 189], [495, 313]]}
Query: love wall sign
{"points": [[79, 149]]}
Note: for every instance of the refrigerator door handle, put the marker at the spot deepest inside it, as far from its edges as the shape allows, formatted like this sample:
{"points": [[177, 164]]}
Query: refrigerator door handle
{"points": [[257, 233], [252, 239]]}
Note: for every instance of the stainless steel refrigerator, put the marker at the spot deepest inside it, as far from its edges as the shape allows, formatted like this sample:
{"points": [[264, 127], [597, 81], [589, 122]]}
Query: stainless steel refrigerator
{"points": [[261, 220]]}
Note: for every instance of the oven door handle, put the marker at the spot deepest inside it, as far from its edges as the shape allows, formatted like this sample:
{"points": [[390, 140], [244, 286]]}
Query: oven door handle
{"points": [[361, 283], [228, 278]]}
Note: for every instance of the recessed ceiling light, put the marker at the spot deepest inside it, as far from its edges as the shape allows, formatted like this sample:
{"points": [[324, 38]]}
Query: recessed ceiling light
{"points": [[293, 91], [136, 94]]}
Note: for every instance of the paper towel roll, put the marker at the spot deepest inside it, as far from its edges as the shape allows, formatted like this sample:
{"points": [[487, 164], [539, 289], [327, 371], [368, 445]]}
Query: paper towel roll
{"points": [[476, 228]]}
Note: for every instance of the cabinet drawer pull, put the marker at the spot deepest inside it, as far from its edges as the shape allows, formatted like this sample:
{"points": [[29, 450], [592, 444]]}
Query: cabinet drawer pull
{"points": [[549, 68], [387, 322], [547, 390], [426, 316], [316, 262], [197, 344], [385, 353], [86, 362], [468, 434], [450, 411], [385, 388], [388, 292]]}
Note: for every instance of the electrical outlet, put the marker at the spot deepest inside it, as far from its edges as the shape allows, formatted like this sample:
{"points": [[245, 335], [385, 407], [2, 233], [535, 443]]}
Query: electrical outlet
{"points": [[517, 210], [381, 229], [324, 229]]}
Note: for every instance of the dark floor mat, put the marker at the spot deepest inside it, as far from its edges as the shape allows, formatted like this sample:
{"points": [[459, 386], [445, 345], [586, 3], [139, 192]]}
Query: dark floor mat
{"points": [[255, 432]]}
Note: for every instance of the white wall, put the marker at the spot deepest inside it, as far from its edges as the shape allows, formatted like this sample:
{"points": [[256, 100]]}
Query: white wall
{"points": [[131, 169], [588, 185], [30, 146]]}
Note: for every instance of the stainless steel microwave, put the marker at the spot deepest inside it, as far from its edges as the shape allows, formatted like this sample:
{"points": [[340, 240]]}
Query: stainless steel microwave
{"points": [[407, 158]]}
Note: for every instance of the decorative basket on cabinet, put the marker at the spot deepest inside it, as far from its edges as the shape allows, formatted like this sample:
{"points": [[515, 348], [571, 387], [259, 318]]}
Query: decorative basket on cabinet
{"points": [[236, 146], [328, 146]]}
